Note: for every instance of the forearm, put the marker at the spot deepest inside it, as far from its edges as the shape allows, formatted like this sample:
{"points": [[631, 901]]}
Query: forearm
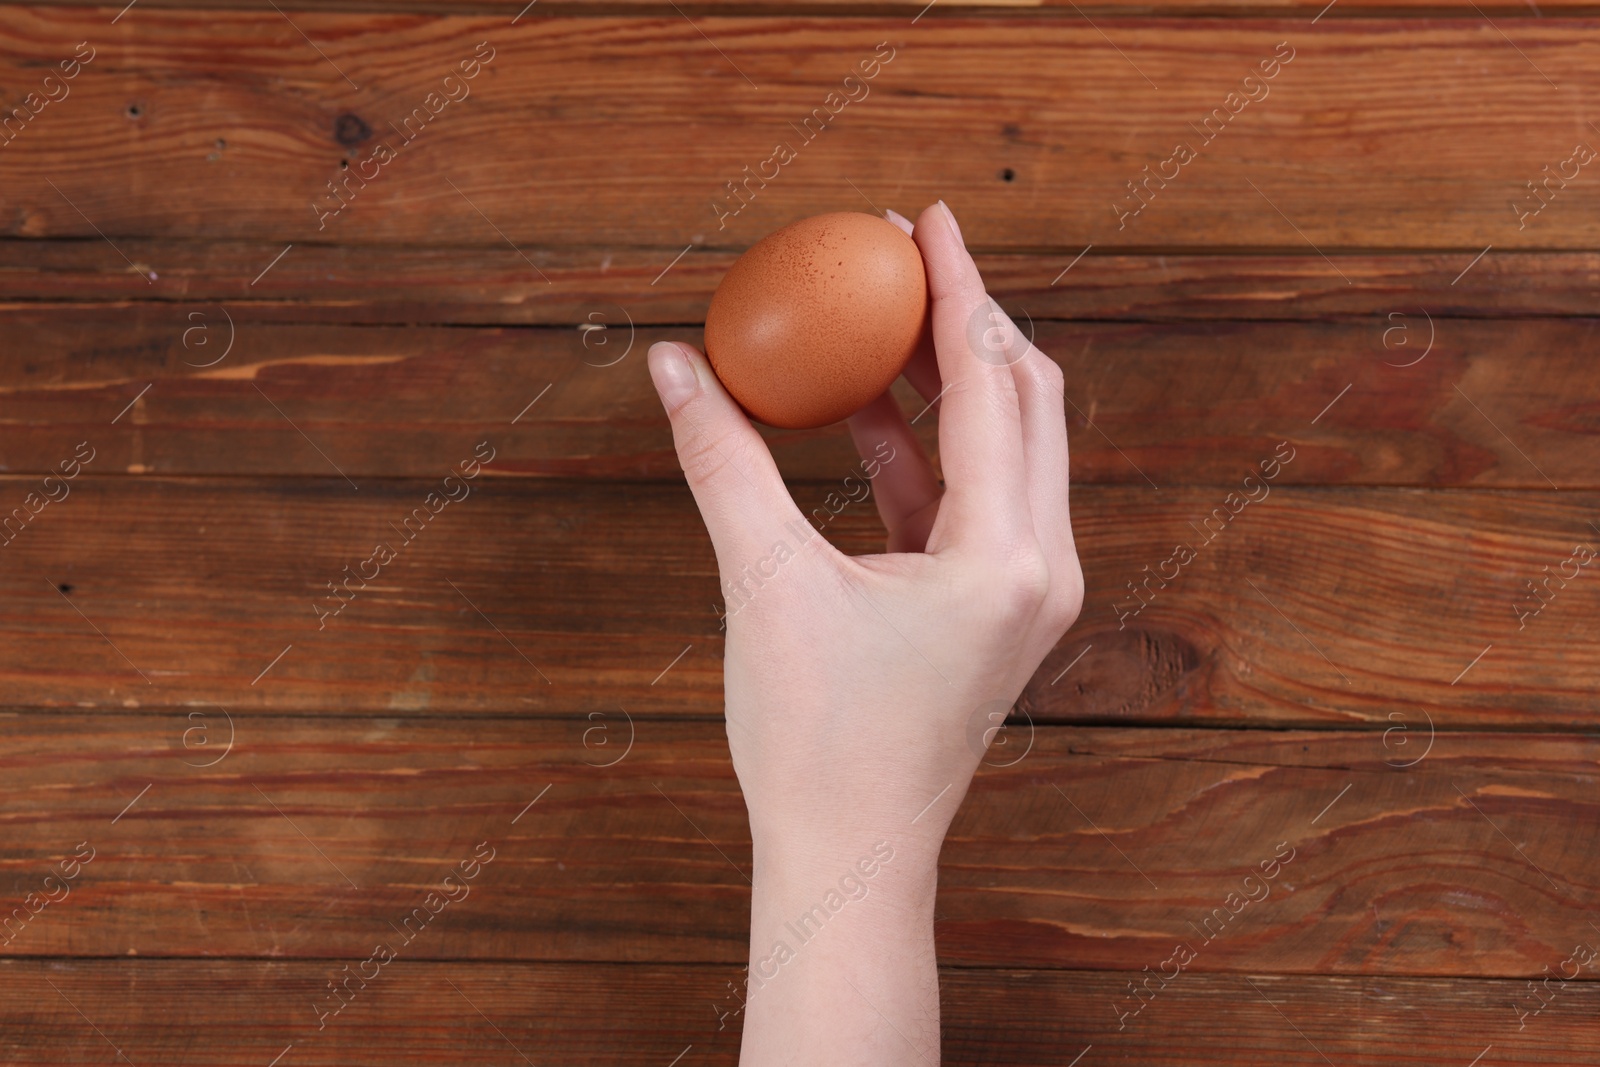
{"points": [[842, 964]]}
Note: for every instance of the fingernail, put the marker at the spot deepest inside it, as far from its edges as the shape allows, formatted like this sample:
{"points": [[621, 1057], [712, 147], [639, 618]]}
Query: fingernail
{"points": [[674, 378], [898, 219], [951, 219]]}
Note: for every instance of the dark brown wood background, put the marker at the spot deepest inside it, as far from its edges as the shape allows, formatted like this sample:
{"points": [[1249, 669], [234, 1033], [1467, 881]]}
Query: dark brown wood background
{"points": [[1342, 672]]}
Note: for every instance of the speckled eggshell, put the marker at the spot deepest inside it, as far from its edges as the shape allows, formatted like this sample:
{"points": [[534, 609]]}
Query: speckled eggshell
{"points": [[816, 320]]}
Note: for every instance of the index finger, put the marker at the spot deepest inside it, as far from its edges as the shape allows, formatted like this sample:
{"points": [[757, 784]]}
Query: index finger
{"points": [[980, 417]]}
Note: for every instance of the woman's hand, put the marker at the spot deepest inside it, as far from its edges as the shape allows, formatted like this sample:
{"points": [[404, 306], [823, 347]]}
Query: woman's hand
{"points": [[862, 690]]}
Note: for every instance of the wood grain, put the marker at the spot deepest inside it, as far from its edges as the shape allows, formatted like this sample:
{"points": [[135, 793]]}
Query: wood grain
{"points": [[1084, 848], [898, 8], [1409, 400], [1371, 137], [493, 286], [227, 1012], [1364, 601]]}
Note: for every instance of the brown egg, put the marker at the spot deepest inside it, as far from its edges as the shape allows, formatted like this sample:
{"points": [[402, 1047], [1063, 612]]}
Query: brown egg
{"points": [[816, 320]]}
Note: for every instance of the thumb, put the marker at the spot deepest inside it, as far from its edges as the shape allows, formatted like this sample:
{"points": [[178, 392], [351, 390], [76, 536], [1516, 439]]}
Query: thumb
{"points": [[741, 496]]}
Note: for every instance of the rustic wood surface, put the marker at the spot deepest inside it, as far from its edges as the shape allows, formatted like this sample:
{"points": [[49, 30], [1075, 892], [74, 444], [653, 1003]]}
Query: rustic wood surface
{"points": [[1430, 401], [1372, 135], [247, 1012], [548, 596], [1076, 847], [1500, 10], [1359, 667], [230, 1011], [487, 285]]}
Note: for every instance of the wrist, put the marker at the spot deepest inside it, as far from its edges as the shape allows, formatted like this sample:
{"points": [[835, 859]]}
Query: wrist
{"points": [[841, 930], [875, 886], [813, 826], [796, 858]]}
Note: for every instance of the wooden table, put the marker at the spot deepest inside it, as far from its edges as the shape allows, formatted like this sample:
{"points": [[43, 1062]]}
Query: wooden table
{"points": [[274, 277]]}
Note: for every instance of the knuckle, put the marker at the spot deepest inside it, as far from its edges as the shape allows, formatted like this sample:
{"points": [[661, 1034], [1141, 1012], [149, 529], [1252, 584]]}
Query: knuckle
{"points": [[1004, 400], [704, 455], [1019, 584], [1066, 595], [1047, 372], [1030, 579], [956, 283]]}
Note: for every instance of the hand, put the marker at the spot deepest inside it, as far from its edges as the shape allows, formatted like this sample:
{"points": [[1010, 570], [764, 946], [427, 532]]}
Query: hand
{"points": [[858, 688], [851, 682]]}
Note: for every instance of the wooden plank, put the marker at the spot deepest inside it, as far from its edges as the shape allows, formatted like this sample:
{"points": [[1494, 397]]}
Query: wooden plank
{"points": [[898, 8], [617, 285], [1392, 400], [202, 585], [232, 1011], [1089, 848], [640, 160]]}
